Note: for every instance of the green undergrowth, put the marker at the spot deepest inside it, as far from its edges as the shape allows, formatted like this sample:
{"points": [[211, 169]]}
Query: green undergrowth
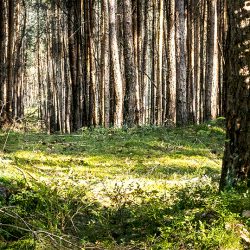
{"points": [[141, 188]]}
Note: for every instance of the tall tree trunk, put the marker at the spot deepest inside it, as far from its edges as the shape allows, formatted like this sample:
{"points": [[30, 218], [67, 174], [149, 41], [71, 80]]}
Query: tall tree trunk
{"points": [[2, 57], [40, 116], [19, 57], [191, 97], [203, 21], [73, 65], [93, 70], [153, 58], [171, 80], [159, 110], [181, 67], [197, 56], [118, 86], [9, 86], [130, 102], [105, 64], [236, 161], [144, 66], [211, 85]]}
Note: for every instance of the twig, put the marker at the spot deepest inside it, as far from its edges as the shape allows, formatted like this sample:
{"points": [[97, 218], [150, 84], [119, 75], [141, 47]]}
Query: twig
{"points": [[24, 176], [7, 137], [36, 232]]}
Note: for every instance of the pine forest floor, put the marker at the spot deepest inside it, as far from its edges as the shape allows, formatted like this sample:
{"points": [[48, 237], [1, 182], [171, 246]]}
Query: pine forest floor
{"points": [[142, 188]]}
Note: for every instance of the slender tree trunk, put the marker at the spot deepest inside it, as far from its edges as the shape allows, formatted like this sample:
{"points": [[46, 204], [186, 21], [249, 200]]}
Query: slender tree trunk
{"points": [[190, 64], [153, 56], [171, 81], [211, 85], [118, 86], [93, 70], [9, 86], [181, 67], [159, 110], [197, 55], [2, 57], [105, 64], [73, 66], [130, 102], [203, 21], [40, 116], [144, 66]]}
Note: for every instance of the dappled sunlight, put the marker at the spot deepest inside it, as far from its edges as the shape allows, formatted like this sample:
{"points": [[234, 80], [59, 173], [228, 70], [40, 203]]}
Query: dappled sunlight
{"points": [[154, 161], [124, 125], [118, 187], [104, 151], [155, 164]]}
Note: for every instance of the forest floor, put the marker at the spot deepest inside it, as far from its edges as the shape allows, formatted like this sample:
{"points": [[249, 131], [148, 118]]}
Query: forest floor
{"points": [[143, 188]]}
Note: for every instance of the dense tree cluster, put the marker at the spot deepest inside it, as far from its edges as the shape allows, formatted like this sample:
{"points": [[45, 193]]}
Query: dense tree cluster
{"points": [[113, 63], [13, 58]]}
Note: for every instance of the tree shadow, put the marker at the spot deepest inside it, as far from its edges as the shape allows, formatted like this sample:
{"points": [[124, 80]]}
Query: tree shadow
{"points": [[159, 153]]}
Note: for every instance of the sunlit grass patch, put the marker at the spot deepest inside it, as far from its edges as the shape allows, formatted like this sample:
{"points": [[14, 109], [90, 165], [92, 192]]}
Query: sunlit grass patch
{"points": [[110, 156], [140, 188]]}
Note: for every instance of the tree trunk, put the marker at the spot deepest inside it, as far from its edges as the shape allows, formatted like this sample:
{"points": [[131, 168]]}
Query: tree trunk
{"points": [[130, 102], [181, 67], [236, 161], [2, 57], [118, 86], [144, 66], [105, 63], [211, 85], [171, 80], [73, 66], [159, 111], [153, 58], [197, 55], [9, 86]]}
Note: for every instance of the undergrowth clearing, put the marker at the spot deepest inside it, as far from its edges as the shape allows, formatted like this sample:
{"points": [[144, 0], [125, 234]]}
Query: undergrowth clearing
{"points": [[142, 188]]}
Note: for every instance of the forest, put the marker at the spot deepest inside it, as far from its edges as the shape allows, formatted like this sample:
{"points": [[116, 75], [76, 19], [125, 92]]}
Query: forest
{"points": [[124, 124]]}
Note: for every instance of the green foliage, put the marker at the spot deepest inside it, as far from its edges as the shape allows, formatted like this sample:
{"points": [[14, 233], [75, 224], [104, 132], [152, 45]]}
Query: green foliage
{"points": [[140, 188]]}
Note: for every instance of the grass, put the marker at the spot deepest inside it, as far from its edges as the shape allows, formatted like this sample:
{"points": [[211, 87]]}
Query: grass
{"points": [[141, 188]]}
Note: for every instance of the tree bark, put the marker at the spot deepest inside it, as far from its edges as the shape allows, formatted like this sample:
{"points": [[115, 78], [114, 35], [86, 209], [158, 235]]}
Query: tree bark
{"points": [[9, 86], [159, 110], [236, 161], [105, 66], [181, 67], [118, 86], [211, 85], [171, 80], [2, 57], [130, 102]]}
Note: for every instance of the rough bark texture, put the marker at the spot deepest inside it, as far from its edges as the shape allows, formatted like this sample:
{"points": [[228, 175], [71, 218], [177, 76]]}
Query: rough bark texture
{"points": [[191, 90], [211, 85], [105, 65], [197, 54], [159, 111], [9, 85], [130, 104], [118, 116], [236, 162], [171, 80], [144, 66], [2, 56], [162, 55], [73, 67], [181, 67]]}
